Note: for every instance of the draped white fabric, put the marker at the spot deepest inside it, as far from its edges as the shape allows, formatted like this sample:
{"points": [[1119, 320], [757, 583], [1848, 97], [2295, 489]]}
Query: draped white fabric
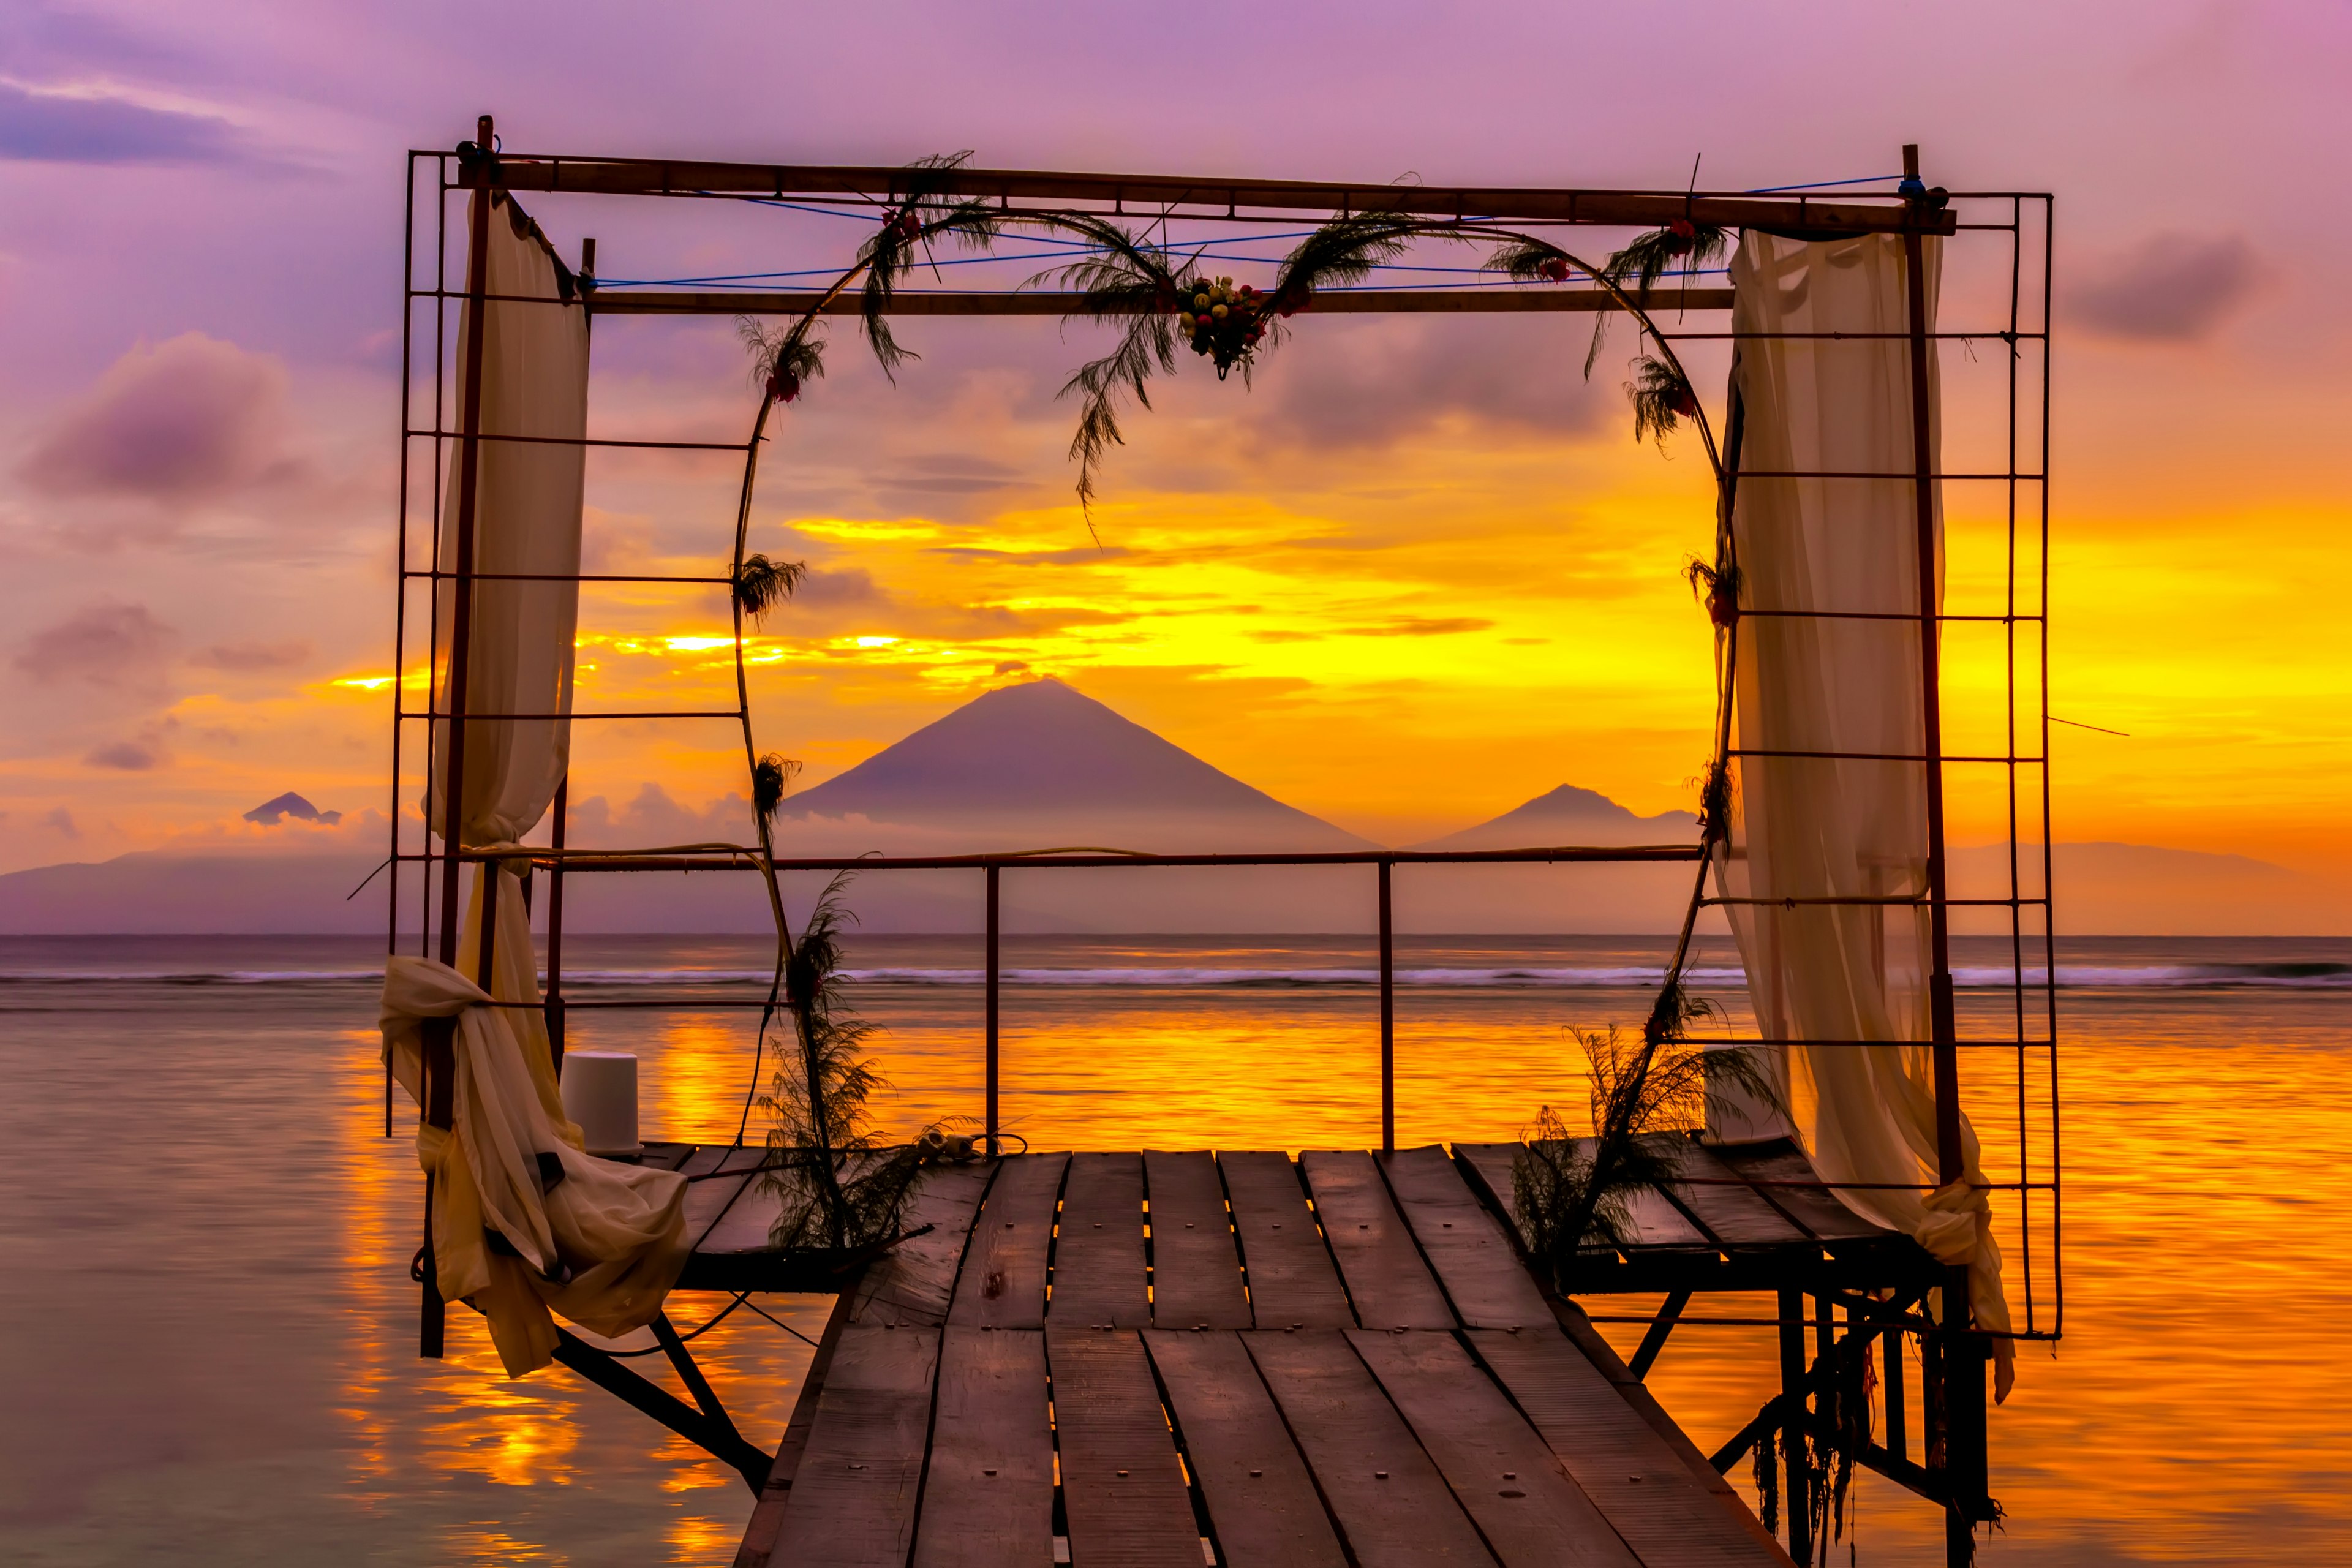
{"points": [[1811, 828], [601, 1242], [527, 501]]}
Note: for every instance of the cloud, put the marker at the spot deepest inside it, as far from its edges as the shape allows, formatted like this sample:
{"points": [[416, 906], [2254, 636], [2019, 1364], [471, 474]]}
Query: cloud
{"points": [[1421, 627], [1012, 666], [129, 756], [191, 419], [2170, 289], [249, 658], [1081, 555], [62, 822], [106, 645], [822, 589], [70, 125], [1358, 384]]}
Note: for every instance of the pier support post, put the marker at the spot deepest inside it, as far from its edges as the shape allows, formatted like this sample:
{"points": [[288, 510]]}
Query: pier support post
{"points": [[1797, 1472], [1967, 1460]]}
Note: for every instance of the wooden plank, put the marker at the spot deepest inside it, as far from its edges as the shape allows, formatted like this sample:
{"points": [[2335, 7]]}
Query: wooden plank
{"points": [[768, 1513], [1123, 1490], [1392, 1505], [1656, 1222], [1292, 1280], [1388, 1283], [853, 1502], [1045, 303], [1262, 1501], [1644, 209], [988, 1499], [1818, 1211], [1732, 1216], [1648, 1493], [726, 1213], [1474, 1260], [1196, 1274], [1098, 1261], [913, 1284], [1002, 1282], [1506, 1480]]}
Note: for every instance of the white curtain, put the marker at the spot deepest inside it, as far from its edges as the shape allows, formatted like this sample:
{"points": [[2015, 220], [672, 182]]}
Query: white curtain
{"points": [[603, 1244], [527, 501], [1815, 827]]}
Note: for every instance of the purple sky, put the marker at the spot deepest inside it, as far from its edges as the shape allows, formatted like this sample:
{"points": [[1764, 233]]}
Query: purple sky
{"points": [[199, 229]]}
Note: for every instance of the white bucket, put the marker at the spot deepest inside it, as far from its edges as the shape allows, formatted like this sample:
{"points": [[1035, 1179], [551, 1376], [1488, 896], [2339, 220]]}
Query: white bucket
{"points": [[600, 1093]]}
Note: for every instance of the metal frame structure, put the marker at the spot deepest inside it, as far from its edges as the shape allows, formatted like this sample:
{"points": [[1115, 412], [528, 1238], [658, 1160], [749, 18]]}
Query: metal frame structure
{"points": [[1856, 1301]]}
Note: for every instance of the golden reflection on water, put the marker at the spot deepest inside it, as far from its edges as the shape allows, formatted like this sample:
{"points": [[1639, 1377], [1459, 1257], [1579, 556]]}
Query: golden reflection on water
{"points": [[2194, 1413]]}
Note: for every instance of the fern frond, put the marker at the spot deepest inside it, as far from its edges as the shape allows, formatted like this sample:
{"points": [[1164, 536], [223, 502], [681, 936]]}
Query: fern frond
{"points": [[1718, 587], [1527, 260], [1661, 398], [762, 583], [1638, 266], [1121, 281], [782, 361], [1344, 250], [771, 777], [922, 215]]}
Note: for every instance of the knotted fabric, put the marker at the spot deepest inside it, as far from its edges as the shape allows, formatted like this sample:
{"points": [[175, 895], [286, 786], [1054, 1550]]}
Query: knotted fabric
{"points": [[601, 1245]]}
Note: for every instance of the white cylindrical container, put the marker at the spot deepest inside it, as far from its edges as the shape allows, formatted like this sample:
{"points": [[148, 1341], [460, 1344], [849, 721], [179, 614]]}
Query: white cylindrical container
{"points": [[600, 1093]]}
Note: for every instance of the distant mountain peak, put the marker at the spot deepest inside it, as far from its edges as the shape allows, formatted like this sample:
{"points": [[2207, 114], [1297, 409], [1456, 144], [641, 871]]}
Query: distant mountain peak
{"points": [[270, 813], [1571, 815], [1045, 755]]}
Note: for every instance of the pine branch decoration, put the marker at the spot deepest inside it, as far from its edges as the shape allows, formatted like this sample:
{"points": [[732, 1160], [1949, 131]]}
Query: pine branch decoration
{"points": [[838, 1186], [1571, 1193]]}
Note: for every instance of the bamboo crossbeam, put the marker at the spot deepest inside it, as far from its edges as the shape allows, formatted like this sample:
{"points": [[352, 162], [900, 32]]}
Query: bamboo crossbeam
{"points": [[1152, 193], [1041, 302]]}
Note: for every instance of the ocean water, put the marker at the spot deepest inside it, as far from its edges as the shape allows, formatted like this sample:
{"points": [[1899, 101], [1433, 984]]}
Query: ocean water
{"points": [[208, 1354]]}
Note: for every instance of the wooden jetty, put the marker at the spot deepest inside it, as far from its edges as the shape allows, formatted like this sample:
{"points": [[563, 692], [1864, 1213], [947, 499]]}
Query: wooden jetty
{"points": [[1192, 1358]]}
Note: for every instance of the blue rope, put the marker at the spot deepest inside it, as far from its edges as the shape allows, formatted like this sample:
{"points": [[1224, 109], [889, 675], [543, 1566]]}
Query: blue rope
{"points": [[1820, 184]]}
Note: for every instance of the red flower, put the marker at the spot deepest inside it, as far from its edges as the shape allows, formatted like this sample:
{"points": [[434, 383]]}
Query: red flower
{"points": [[1681, 401], [783, 386], [1682, 228], [1554, 268]]}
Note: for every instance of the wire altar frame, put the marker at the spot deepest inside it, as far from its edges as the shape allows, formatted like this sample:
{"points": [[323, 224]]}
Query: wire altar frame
{"points": [[2021, 221]]}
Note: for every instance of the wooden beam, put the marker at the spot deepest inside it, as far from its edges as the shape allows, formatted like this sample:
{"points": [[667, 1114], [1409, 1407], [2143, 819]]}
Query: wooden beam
{"points": [[1043, 302], [1150, 194]]}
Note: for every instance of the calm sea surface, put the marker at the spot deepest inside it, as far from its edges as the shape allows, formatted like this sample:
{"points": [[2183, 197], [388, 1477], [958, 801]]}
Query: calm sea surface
{"points": [[208, 1352]]}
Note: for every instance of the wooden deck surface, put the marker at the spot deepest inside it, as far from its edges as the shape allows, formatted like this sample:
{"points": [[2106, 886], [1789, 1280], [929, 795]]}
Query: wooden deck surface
{"points": [[1191, 1359]]}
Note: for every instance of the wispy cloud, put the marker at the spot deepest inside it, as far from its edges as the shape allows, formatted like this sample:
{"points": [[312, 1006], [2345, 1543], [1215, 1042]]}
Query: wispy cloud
{"points": [[2172, 287], [192, 418], [45, 124]]}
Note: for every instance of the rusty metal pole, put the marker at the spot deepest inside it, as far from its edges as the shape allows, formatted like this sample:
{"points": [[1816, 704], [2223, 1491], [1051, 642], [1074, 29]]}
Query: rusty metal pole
{"points": [[1388, 1020], [991, 1122], [440, 1063], [1965, 1457]]}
